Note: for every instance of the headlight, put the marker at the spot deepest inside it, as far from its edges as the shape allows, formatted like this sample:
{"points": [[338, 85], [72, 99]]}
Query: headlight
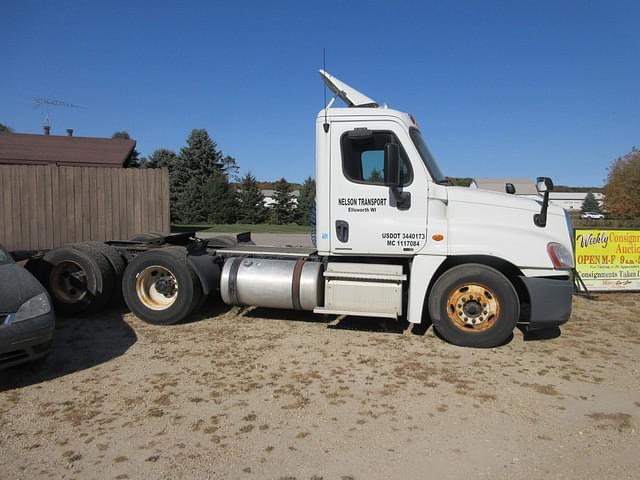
{"points": [[34, 307], [559, 255]]}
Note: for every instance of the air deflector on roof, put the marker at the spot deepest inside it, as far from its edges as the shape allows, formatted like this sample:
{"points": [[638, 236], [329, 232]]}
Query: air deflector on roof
{"points": [[347, 94]]}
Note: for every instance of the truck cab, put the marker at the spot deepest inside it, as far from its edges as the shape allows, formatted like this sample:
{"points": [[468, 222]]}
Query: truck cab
{"points": [[365, 210]]}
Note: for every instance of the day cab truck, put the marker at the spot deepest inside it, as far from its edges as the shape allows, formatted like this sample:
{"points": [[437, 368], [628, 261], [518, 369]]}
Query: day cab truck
{"points": [[393, 239]]}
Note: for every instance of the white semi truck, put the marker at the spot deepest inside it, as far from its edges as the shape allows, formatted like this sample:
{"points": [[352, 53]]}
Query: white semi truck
{"points": [[394, 240]]}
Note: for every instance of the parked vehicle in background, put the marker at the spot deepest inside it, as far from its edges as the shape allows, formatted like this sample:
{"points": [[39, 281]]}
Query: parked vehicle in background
{"points": [[27, 319], [592, 216]]}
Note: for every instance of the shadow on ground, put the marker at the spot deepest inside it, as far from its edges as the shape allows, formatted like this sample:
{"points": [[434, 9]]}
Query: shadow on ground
{"points": [[212, 307], [79, 343], [343, 322], [281, 314]]}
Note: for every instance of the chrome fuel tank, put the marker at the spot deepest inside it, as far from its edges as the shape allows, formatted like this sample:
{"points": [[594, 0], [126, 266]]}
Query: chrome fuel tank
{"points": [[273, 283]]}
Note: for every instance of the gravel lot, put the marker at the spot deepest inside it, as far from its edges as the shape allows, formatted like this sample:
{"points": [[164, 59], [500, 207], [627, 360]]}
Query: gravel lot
{"points": [[256, 393]]}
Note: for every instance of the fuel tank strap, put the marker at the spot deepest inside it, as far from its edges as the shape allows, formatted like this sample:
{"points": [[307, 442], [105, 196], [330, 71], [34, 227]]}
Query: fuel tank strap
{"points": [[233, 280], [295, 284]]}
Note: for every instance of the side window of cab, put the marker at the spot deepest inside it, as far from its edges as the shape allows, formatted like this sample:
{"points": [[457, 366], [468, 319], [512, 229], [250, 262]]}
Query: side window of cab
{"points": [[363, 157]]}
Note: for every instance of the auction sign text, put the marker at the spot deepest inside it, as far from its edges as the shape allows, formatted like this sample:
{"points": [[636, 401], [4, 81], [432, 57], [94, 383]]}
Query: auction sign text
{"points": [[608, 259]]}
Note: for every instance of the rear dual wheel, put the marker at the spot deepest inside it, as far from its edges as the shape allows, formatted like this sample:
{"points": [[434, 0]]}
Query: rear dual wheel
{"points": [[79, 277], [474, 305], [160, 287]]}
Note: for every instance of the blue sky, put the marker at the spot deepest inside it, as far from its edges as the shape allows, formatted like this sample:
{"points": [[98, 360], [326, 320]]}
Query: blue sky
{"points": [[505, 88]]}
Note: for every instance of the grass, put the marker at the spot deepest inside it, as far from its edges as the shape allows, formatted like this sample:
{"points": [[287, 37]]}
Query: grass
{"points": [[631, 223], [243, 227]]}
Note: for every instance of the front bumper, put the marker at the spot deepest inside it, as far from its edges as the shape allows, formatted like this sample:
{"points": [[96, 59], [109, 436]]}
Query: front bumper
{"points": [[26, 341], [550, 301]]}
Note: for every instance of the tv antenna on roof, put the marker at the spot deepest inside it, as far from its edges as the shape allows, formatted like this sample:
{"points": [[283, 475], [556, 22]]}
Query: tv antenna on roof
{"points": [[44, 104]]}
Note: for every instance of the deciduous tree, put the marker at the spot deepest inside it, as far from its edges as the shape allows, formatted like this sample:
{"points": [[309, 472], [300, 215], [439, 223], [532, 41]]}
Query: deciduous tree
{"points": [[622, 191]]}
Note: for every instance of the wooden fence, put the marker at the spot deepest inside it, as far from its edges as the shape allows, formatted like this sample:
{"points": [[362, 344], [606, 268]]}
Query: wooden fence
{"points": [[43, 207]]}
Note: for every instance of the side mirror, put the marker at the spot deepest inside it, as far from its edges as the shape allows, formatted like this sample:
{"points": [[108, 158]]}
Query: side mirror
{"points": [[392, 165], [544, 184], [510, 188]]}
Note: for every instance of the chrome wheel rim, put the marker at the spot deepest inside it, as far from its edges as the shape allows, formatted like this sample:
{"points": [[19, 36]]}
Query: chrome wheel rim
{"points": [[157, 287]]}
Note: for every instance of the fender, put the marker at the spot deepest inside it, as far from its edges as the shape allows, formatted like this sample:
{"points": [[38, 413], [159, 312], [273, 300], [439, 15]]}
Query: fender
{"points": [[423, 269], [207, 270]]}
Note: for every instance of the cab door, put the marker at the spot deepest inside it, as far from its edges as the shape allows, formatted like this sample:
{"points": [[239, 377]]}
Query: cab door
{"points": [[369, 218]]}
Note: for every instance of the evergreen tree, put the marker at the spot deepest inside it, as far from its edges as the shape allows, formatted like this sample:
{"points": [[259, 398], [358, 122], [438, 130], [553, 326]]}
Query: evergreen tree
{"points": [[231, 168], [190, 205], [590, 204], [178, 178], [5, 129], [284, 207], [251, 207], [219, 199], [201, 184], [162, 157], [201, 156], [306, 201], [134, 160]]}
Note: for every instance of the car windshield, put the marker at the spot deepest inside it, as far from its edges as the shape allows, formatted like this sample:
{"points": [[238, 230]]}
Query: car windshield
{"points": [[427, 158], [4, 256]]}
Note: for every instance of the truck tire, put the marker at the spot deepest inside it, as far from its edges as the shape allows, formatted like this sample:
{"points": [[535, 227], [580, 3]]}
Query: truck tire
{"points": [[35, 266], [79, 280], [160, 287], [114, 258], [474, 305]]}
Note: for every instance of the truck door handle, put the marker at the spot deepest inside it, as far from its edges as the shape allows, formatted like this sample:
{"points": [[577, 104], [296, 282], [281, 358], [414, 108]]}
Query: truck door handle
{"points": [[342, 231]]}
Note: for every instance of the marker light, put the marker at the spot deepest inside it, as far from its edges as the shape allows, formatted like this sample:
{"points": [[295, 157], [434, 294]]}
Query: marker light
{"points": [[560, 256]]}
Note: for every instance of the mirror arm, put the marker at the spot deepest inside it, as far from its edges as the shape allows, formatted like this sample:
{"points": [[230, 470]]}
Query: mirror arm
{"points": [[540, 219]]}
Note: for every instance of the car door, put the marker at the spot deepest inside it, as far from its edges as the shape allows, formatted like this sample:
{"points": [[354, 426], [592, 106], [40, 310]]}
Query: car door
{"points": [[369, 217]]}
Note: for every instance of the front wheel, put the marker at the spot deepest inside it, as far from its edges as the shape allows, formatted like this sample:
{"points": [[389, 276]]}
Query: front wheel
{"points": [[474, 305]]}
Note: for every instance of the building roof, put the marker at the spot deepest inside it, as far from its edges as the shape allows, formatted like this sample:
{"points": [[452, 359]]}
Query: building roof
{"points": [[523, 186], [30, 149]]}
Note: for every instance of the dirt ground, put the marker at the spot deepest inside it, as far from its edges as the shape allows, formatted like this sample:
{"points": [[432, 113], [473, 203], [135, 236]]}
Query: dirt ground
{"points": [[255, 393]]}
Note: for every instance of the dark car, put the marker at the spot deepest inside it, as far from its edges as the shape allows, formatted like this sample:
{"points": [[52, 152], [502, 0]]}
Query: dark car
{"points": [[27, 319]]}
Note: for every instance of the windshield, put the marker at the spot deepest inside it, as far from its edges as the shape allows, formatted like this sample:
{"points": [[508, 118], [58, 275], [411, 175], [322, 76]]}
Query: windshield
{"points": [[4, 256], [427, 158]]}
